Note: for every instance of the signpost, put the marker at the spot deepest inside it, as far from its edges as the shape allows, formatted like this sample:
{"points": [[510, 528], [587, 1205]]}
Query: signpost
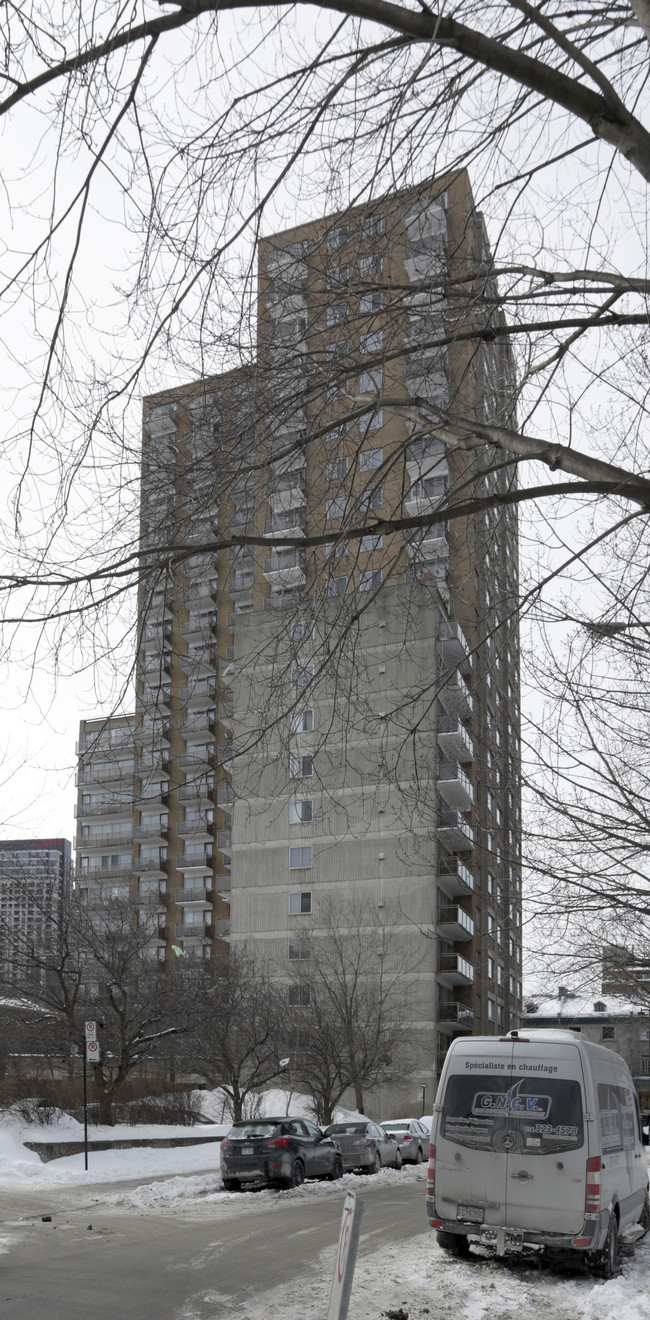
{"points": [[422, 1093], [346, 1257], [92, 1054]]}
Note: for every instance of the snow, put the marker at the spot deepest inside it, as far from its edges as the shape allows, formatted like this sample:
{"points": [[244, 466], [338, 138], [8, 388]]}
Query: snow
{"points": [[18, 1164], [573, 1006], [275, 1101]]}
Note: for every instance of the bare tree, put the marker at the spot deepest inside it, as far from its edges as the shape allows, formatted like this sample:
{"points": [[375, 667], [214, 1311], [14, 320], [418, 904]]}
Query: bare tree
{"points": [[347, 1006], [93, 964]]}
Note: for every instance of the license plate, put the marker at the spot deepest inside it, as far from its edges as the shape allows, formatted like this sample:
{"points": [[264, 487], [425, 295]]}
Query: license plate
{"points": [[249, 1173], [472, 1212], [247, 1150]]}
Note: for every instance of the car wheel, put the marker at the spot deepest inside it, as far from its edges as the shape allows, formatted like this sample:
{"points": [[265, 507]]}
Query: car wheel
{"points": [[336, 1171], [297, 1175], [455, 1243], [606, 1264], [231, 1185], [375, 1167], [419, 1156]]}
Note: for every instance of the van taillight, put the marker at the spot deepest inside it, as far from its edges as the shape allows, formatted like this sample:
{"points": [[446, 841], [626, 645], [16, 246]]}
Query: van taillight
{"points": [[431, 1171], [594, 1185]]}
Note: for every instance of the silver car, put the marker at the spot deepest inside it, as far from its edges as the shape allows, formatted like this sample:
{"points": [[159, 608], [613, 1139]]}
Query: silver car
{"points": [[412, 1138], [365, 1146]]}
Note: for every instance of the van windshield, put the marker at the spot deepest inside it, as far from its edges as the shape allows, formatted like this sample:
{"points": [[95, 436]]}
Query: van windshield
{"points": [[535, 1115]]}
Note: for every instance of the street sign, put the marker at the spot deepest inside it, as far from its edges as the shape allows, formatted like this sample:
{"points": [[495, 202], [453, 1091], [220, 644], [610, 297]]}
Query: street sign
{"points": [[91, 1031], [93, 1052], [346, 1257]]}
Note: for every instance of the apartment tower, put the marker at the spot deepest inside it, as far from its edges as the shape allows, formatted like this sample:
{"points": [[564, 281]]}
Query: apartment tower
{"points": [[327, 712]]}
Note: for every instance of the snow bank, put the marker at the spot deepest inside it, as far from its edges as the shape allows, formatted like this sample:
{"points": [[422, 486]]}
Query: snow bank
{"points": [[18, 1164], [215, 1105]]}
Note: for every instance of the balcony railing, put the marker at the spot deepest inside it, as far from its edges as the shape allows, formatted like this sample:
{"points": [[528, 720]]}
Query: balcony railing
{"points": [[145, 865], [454, 832], [456, 696], [107, 807], [196, 930], [92, 874], [454, 648], [454, 740], [152, 832], [194, 862], [455, 878], [454, 969], [91, 841], [454, 923], [186, 896], [454, 786], [459, 1015], [194, 827]]}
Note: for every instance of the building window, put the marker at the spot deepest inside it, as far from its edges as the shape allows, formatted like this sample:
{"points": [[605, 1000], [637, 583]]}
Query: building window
{"points": [[336, 468], [608, 1033], [370, 266], [372, 499], [491, 1010], [491, 969], [337, 275], [298, 948], [300, 858], [298, 996], [372, 225], [302, 675], [301, 767], [370, 382], [337, 313], [370, 302], [336, 508], [369, 459], [371, 343], [336, 586], [301, 813], [337, 349], [300, 903], [302, 721], [302, 632], [369, 543], [337, 237], [370, 580], [337, 548]]}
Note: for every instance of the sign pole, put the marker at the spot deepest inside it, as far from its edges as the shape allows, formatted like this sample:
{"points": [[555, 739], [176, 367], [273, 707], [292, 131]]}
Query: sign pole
{"points": [[346, 1257], [85, 1111]]}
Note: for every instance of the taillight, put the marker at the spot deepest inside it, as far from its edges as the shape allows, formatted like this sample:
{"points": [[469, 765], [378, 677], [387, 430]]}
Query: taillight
{"points": [[277, 1142], [594, 1185], [431, 1171], [368, 1141], [225, 1145], [406, 1137]]}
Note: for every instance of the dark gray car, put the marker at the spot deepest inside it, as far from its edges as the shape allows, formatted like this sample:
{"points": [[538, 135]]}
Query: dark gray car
{"points": [[364, 1145], [278, 1152]]}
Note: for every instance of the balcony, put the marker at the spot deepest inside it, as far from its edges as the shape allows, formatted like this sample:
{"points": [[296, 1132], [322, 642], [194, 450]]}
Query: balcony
{"points": [[453, 646], [112, 806], [291, 523], [198, 758], [153, 733], [200, 566], [456, 696], [283, 598], [455, 1016], [227, 675], [200, 625], [201, 831], [432, 546], [222, 884], [155, 698], [454, 832], [193, 930], [153, 795], [197, 694], [106, 773], [90, 841], [151, 897], [158, 630], [453, 969], [153, 866], [285, 568], [455, 879], [92, 874], [455, 787], [194, 897], [200, 661], [454, 740], [200, 792], [203, 722], [454, 923], [426, 495], [287, 492], [151, 833], [156, 663], [196, 863]]}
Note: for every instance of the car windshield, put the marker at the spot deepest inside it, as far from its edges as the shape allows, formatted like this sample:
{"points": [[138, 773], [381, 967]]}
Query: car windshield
{"points": [[246, 1130], [347, 1129], [539, 1115], [395, 1127]]}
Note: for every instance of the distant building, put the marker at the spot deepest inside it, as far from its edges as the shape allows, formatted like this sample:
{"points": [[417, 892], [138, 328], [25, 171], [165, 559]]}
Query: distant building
{"points": [[35, 876], [610, 1020], [625, 973]]}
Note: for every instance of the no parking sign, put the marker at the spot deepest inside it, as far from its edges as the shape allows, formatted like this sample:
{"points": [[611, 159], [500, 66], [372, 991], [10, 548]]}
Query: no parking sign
{"points": [[346, 1256], [93, 1053]]}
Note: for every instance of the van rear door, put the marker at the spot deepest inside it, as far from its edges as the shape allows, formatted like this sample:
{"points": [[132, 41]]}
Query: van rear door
{"points": [[471, 1156], [547, 1151]]}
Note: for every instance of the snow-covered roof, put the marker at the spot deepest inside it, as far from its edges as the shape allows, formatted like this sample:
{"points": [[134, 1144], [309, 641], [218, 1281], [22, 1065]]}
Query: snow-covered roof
{"points": [[580, 1006]]}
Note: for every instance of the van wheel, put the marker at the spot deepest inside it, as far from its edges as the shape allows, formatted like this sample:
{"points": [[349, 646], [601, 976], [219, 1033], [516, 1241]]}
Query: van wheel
{"points": [[644, 1217], [457, 1244], [607, 1263]]}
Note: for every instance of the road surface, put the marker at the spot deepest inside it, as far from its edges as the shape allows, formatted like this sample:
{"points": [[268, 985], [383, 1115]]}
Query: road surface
{"points": [[180, 1261]]}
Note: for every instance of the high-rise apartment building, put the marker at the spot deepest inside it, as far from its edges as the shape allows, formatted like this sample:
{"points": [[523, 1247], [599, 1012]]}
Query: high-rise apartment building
{"points": [[35, 875], [328, 676]]}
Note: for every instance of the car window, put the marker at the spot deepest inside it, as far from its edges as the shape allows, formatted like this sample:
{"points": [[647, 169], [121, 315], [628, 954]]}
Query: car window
{"points": [[376, 1131], [311, 1128], [346, 1129], [294, 1127], [394, 1127], [247, 1130]]}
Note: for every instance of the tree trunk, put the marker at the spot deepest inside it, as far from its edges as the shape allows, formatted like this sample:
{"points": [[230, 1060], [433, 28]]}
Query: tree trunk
{"points": [[105, 1103], [358, 1096]]}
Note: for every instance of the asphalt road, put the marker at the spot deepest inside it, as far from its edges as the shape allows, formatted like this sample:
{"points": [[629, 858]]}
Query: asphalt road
{"points": [[170, 1263]]}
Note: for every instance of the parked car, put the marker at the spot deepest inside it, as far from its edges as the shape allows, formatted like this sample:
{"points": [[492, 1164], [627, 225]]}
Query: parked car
{"points": [[412, 1138], [277, 1152], [365, 1145]]}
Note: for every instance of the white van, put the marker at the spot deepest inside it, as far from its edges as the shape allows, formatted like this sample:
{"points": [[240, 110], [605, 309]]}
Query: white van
{"points": [[536, 1141]]}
